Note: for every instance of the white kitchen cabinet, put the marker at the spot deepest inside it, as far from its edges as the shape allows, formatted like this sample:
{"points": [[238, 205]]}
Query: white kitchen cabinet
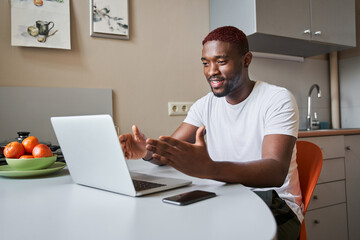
{"points": [[327, 194], [352, 167], [291, 27], [327, 223], [326, 217], [333, 21], [332, 169], [331, 146]]}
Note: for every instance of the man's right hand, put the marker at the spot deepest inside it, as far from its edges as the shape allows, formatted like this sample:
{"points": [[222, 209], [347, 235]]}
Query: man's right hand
{"points": [[133, 145]]}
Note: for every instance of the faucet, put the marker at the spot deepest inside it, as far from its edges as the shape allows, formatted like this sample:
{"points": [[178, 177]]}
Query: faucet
{"points": [[308, 118]]}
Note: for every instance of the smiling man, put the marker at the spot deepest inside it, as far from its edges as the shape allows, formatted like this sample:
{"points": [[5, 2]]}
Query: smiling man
{"points": [[251, 130]]}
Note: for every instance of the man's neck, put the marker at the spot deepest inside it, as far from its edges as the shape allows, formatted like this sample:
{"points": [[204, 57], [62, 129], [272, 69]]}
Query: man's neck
{"points": [[242, 93]]}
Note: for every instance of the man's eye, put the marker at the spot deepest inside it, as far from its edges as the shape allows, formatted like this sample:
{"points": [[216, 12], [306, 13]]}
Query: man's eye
{"points": [[205, 63], [221, 62]]}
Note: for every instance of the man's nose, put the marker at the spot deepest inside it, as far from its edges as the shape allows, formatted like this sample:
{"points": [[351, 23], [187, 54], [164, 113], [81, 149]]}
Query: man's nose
{"points": [[214, 69]]}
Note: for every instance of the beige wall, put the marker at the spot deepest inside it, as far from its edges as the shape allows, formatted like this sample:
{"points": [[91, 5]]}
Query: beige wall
{"points": [[160, 62]]}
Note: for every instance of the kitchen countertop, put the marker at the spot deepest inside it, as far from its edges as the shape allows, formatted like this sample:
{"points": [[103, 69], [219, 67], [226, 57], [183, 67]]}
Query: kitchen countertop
{"points": [[328, 132]]}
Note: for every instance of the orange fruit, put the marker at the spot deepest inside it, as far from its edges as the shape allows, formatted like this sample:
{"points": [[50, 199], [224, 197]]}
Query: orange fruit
{"points": [[41, 150], [38, 2], [14, 150], [26, 156], [29, 143]]}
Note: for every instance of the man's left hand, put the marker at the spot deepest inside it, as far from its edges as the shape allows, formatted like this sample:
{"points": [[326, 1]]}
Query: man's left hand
{"points": [[191, 159]]}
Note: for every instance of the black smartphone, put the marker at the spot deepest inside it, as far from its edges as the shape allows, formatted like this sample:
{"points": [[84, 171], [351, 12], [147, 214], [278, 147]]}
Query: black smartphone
{"points": [[189, 197]]}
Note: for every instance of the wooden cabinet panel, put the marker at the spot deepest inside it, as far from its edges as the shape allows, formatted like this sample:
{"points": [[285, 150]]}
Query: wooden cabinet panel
{"points": [[327, 215], [332, 21], [327, 194], [352, 162], [332, 147], [332, 170], [327, 223], [273, 18]]}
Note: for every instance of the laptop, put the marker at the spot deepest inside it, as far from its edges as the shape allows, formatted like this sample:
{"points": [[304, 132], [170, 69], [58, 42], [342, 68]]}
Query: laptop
{"points": [[94, 157]]}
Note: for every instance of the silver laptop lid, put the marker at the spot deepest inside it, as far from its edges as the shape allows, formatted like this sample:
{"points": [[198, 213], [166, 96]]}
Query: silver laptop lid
{"points": [[93, 153]]}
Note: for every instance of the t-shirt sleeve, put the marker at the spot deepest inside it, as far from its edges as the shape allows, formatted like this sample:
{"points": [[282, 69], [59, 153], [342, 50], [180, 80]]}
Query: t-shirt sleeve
{"points": [[195, 115], [282, 115]]}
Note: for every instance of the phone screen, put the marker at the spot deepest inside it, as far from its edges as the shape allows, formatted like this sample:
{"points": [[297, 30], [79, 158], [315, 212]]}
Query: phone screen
{"points": [[189, 197]]}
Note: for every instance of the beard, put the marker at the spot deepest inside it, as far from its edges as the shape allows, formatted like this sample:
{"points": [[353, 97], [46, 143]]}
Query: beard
{"points": [[228, 88]]}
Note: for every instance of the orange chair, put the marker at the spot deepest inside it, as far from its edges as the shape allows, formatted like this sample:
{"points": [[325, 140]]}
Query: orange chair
{"points": [[309, 158]]}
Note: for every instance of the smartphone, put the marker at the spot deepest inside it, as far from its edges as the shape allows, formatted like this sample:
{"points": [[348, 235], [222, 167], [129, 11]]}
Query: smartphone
{"points": [[189, 197]]}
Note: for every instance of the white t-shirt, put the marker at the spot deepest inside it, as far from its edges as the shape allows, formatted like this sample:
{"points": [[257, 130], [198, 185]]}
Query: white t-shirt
{"points": [[236, 132]]}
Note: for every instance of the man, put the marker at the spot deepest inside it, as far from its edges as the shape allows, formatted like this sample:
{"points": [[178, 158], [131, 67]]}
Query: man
{"points": [[251, 130]]}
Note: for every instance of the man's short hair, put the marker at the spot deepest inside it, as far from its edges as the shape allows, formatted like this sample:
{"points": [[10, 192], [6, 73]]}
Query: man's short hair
{"points": [[229, 34]]}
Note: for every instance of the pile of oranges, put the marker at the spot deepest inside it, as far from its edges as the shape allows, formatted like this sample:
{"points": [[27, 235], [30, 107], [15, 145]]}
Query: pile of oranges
{"points": [[29, 148]]}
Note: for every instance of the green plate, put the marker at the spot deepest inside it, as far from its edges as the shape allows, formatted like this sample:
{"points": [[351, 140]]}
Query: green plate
{"points": [[7, 171]]}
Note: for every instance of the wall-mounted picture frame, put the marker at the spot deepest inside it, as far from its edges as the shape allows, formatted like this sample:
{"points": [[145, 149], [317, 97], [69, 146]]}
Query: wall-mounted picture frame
{"points": [[109, 19], [43, 24]]}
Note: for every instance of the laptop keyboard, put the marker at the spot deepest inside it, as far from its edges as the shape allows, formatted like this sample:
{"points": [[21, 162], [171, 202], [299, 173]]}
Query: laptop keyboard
{"points": [[143, 185]]}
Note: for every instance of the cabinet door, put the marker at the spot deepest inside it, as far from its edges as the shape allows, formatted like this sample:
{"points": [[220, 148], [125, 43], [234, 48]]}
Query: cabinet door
{"points": [[333, 21], [332, 170], [331, 146], [352, 168], [289, 18], [327, 223], [327, 194]]}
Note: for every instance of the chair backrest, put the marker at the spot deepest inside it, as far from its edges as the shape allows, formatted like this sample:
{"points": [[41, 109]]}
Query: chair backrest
{"points": [[309, 158]]}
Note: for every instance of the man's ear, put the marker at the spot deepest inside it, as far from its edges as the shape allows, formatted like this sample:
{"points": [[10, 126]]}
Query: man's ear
{"points": [[247, 59]]}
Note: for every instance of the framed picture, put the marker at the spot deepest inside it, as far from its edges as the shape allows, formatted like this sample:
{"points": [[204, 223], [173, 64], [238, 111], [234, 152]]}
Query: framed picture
{"points": [[44, 24], [109, 19]]}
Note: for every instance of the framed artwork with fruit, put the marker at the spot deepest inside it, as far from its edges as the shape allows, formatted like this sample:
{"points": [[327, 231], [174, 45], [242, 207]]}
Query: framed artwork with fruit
{"points": [[40, 23]]}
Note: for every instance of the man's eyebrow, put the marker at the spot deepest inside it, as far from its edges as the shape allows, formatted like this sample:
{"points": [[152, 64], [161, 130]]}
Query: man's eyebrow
{"points": [[217, 57], [221, 56]]}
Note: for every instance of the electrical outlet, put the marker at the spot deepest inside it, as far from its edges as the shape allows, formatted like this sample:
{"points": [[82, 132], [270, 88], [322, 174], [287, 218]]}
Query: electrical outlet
{"points": [[179, 108]]}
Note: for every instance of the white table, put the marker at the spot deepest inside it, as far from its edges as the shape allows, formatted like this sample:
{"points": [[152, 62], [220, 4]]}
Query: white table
{"points": [[54, 207]]}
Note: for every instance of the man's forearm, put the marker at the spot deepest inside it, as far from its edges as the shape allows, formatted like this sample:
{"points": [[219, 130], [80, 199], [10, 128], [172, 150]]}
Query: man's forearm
{"points": [[261, 173]]}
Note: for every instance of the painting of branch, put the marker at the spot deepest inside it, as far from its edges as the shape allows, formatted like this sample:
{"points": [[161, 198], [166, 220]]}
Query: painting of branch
{"points": [[40, 23], [109, 18]]}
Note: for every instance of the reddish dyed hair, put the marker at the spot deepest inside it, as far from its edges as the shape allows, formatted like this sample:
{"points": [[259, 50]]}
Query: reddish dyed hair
{"points": [[229, 34]]}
